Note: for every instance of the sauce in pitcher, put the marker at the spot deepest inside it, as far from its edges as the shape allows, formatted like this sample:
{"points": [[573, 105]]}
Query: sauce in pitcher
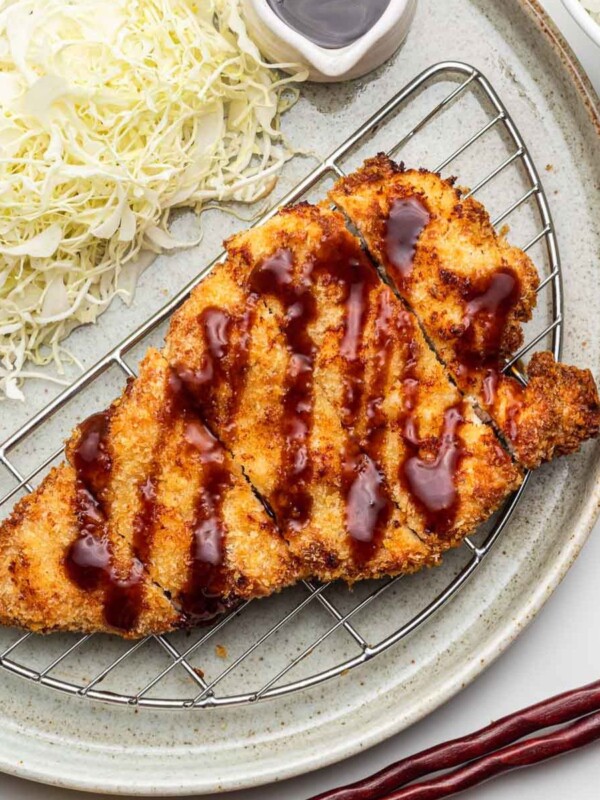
{"points": [[330, 23]]}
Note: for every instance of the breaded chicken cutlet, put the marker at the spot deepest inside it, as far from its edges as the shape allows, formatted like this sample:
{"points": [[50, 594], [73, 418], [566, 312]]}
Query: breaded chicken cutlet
{"points": [[297, 424], [471, 291], [259, 392], [365, 353], [148, 526]]}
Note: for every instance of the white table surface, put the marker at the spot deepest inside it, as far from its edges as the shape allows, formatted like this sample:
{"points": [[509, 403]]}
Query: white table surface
{"points": [[560, 650]]}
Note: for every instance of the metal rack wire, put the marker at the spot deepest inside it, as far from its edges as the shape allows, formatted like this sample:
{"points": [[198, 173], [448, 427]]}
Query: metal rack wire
{"points": [[208, 692]]}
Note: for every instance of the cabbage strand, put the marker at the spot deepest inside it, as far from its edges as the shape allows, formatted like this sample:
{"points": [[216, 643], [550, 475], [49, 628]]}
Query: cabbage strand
{"points": [[111, 115]]}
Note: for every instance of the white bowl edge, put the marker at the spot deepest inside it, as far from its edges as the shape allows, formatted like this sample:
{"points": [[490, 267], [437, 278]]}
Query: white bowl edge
{"points": [[585, 21]]}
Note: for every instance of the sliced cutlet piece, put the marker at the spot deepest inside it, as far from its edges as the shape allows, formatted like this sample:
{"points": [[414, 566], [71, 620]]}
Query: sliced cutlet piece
{"points": [[254, 383], [471, 291], [551, 416], [469, 287], [63, 567], [39, 543], [197, 527], [445, 469], [149, 526]]}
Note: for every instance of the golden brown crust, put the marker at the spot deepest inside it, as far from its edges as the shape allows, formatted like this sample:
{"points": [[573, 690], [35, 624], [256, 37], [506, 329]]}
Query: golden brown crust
{"points": [[457, 257], [256, 437], [294, 375], [557, 410], [35, 591], [486, 474], [458, 249], [256, 560]]}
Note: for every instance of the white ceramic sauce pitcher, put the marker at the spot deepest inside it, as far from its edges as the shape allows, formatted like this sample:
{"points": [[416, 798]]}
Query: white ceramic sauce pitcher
{"points": [[280, 43]]}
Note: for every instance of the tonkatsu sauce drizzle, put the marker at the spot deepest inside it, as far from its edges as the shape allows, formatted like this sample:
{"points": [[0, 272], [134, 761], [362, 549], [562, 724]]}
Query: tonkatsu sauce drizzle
{"points": [[355, 312], [433, 482], [91, 458], [203, 596], [431, 479], [368, 505], [89, 560], [405, 223], [202, 599], [488, 307], [292, 499], [384, 341], [490, 386], [224, 363], [479, 348], [340, 263]]}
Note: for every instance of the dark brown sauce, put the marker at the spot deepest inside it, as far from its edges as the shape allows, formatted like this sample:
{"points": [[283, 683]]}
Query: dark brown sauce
{"points": [[88, 560], [330, 23], [224, 362], [383, 352], [216, 324], [488, 307], [512, 428], [473, 375], [410, 381], [490, 386], [202, 599], [479, 348], [513, 409], [90, 457], [431, 481], [292, 499], [479, 376], [355, 314], [124, 598], [89, 557], [227, 341], [356, 277], [368, 505], [405, 223]]}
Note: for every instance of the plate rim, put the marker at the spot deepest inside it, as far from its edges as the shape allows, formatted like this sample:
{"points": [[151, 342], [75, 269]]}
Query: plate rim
{"points": [[503, 637]]}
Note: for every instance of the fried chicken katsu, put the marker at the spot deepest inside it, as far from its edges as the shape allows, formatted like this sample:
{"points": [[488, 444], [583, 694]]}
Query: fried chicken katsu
{"points": [[366, 354], [147, 527], [299, 424], [284, 431], [471, 291]]}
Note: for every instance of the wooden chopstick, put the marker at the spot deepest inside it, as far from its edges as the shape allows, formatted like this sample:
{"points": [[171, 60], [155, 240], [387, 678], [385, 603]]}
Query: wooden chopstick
{"points": [[522, 754], [476, 747]]}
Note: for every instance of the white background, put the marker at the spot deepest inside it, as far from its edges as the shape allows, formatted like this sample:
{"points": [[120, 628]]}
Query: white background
{"points": [[560, 650]]}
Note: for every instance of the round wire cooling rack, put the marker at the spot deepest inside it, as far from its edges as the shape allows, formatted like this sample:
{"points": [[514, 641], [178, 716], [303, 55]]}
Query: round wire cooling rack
{"points": [[197, 672]]}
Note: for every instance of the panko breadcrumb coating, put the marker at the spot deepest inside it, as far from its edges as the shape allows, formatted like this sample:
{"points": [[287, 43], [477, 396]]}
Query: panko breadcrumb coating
{"points": [[299, 423], [471, 291]]}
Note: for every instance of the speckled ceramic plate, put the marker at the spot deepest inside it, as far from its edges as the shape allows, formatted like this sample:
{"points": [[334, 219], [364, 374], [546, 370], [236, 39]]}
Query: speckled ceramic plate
{"points": [[75, 742]]}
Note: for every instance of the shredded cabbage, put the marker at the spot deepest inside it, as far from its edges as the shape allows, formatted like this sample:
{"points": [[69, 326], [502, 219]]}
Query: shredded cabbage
{"points": [[593, 7], [112, 114]]}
